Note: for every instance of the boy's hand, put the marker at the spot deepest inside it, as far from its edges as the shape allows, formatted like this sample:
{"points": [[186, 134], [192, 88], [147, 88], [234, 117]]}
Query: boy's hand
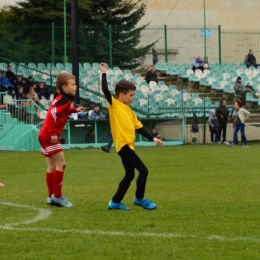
{"points": [[158, 141], [103, 68], [54, 139], [81, 109]]}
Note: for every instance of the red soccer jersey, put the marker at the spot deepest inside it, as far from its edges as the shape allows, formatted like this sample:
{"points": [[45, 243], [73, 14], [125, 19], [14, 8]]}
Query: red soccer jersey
{"points": [[57, 115]]}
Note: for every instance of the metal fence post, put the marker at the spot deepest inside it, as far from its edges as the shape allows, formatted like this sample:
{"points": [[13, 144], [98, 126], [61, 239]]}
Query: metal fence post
{"points": [[52, 43], [165, 43], [110, 46], [219, 44], [204, 118]]}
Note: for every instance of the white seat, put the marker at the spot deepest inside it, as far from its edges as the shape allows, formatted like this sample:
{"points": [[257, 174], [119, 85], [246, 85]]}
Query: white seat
{"points": [[223, 83], [8, 100], [143, 101], [226, 76]]}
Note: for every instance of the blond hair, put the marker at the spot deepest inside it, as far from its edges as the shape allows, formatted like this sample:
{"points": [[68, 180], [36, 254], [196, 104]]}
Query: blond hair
{"points": [[63, 79]]}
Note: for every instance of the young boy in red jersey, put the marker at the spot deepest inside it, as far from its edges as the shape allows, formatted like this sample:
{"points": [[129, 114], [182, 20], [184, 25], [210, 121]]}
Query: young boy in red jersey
{"points": [[49, 139], [124, 123]]}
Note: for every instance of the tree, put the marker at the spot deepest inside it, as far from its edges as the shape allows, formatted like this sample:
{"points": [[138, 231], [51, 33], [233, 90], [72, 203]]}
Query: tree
{"points": [[105, 27]]}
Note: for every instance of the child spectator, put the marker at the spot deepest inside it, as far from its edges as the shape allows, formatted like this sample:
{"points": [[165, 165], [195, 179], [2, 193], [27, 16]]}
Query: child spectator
{"points": [[43, 94], [19, 82], [49, 137], [33, 95], [123, 123], [19, 94], [213, 126]]}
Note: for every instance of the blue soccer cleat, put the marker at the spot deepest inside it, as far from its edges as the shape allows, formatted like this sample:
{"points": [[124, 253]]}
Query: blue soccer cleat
{"points": [[119, 205], [145, 203], [61, 202]]}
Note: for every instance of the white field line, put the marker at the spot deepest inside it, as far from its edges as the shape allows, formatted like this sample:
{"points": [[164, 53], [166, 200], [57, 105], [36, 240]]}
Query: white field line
{"points": [[45, 213], [42, 214], [133, 234]]}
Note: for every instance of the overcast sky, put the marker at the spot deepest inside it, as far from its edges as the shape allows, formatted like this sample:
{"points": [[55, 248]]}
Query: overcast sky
{"points": [[9, 2]]}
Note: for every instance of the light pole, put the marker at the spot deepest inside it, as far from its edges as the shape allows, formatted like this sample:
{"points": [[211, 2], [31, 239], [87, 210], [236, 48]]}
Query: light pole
{"points": [[205, 38], [65, 58]]}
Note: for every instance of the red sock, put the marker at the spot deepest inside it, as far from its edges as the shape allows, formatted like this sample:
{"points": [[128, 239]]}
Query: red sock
{"points": [[57, 183], [49, 181]]}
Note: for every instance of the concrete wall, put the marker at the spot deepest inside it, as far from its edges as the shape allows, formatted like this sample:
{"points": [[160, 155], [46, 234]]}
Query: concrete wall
{"points": [[230, 14]]}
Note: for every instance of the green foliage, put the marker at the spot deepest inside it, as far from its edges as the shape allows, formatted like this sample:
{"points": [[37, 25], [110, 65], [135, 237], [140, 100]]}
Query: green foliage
{"points": [[96, 40], [207, 196]]}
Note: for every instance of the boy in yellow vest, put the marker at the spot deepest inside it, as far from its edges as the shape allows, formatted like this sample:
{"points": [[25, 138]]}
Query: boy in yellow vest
{"points": [[124, 123]]}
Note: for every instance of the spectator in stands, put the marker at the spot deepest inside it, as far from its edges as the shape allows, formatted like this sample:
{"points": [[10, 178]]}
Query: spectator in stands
{"points": [[239, 116], [5, 84], [90, 137], [155, 134], [19, 94], [213, 126], [33, 95], [19, 82], [43, 91], [222, 115], [240, 89], [10, 75], [151, 75], [29, 83], [96, 113], [200, 64], [250, 59]]}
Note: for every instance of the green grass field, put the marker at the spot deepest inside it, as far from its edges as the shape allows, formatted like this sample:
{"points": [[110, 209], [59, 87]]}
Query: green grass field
{"points": [[208, 200]]}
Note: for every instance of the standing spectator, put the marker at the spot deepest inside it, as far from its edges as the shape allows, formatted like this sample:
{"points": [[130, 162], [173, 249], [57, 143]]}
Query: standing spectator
{"points": [[29, 83], [199, 64], [250, 59], [10, 75], [242, 90], [222, 115], [90, 137], [5, 84], [96, 113], [151, 75], [213, 126], [239, 116]]}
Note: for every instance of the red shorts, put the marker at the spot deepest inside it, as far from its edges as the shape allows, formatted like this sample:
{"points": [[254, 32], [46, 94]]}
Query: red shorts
{"points": [[47, 147]]}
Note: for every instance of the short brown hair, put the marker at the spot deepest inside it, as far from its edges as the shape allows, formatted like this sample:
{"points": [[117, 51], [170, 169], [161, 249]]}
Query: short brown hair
{"points": [[123, 86], [63, 79]]}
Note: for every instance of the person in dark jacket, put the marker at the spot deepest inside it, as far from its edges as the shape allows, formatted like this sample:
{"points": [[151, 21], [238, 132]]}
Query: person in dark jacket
{"points": [[10, 75], [151, 75], [213, 126], [250, 59], [90, 137], [222, 115], [242, 90], [43, 91]]}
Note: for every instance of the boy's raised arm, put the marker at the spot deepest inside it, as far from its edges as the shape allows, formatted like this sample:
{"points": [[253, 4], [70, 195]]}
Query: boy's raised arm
{"points": [[104, 83]]}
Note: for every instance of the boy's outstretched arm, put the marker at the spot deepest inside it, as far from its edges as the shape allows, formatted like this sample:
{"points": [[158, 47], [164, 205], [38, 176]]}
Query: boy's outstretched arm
{"points": [[142, 131], [104, 83]]}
